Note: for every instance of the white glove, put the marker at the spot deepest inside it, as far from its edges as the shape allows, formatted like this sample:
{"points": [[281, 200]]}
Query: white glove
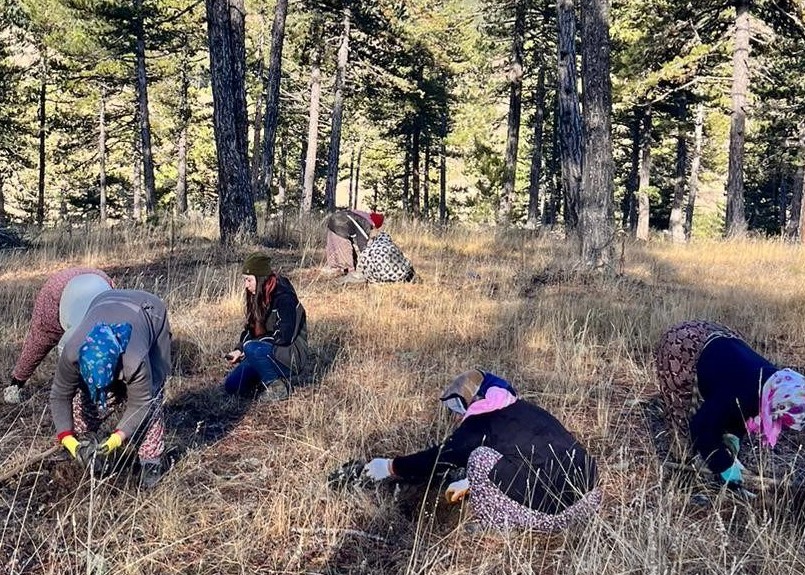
{"points": [[457, 490], [378, 469], [11, 394]]}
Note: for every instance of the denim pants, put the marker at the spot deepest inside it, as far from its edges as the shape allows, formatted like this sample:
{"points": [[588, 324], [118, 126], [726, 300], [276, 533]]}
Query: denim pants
{"points": [[258, 365]]}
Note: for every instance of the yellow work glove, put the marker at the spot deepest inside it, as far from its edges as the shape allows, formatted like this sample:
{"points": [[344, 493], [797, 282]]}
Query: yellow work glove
{"points": [[457, 491], [112, 442], [71, 444]]}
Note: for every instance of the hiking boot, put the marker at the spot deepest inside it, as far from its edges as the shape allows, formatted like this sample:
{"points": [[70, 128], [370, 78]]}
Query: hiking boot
{"points": [[277, 390], [150, 474]]}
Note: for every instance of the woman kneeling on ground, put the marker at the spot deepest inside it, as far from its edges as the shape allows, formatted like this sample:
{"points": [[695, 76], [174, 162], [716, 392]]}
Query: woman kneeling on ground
{"points": [[119, 352], [524, 469], [273, 344], [716, 388], [348, 232], [382, 262]]}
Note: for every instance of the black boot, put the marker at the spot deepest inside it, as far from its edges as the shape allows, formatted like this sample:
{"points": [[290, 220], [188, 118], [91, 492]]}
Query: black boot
{"points": [[277, 390]]}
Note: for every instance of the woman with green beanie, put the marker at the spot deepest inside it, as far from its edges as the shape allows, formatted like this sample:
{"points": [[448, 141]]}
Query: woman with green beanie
{"points": [[273, 344]]}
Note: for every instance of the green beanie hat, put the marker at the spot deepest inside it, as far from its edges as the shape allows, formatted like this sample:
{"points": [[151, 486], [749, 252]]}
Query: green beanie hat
{"points": [[257, 264]]}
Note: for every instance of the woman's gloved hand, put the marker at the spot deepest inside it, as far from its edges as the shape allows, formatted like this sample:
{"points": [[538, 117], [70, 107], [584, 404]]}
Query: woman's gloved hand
{"points": [[734, 473], [378, 469], [71, 444], [11, 392], [114, 441], [457, 490]]}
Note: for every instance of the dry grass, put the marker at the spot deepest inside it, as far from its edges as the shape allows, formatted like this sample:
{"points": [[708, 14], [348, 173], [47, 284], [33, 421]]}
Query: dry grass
{"points": [[249, 493]]}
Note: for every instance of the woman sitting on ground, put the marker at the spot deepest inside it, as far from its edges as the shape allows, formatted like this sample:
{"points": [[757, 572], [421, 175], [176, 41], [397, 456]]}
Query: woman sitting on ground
{"points": [[716, 388], [59, 306], [348, 233], [273, 344], [119, 352], [524, 469]]}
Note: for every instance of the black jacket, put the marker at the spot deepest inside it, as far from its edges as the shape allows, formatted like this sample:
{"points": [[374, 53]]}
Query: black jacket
{"points": [[350, 226], [285, 325], [543, 466], [730, 375]]}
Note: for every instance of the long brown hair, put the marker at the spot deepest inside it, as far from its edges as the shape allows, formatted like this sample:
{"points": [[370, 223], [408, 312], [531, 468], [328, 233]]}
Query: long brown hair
{"points": [[258, 302]]}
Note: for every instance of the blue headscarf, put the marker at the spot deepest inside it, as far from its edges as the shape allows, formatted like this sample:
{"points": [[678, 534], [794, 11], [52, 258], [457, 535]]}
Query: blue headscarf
{"points": [[492, 380], [99, 355]]}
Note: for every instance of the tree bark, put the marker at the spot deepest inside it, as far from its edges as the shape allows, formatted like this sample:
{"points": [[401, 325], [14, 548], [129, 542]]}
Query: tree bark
{"points": [[271, 117], [596, 210], [569, 121], [225, 29], [793, 229], [338, 111], [443, 172], [102, 153], [736, 216], [553, 200], [644, 178], [257, 123], [532, 222], [42, 117], [184, 120], [695, 167], [629, 205], [515, 109], [142, 99], [313, 118], [676, 223]]}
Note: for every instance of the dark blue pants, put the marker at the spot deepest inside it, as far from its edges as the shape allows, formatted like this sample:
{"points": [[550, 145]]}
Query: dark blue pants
{"points": [[258, 365]]}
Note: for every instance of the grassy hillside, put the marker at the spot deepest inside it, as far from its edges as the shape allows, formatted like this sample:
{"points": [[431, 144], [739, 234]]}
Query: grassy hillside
{"points": [[248, 492]]}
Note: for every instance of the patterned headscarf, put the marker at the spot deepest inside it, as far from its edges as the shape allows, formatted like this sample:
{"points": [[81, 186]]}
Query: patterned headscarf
{"points": [[782, 405], [99, 355]]}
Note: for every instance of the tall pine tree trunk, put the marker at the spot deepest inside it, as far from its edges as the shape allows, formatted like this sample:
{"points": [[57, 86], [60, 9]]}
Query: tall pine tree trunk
{"points": [[225, 29], [42, 117], [271, 117], [351, 174], [338, 111], [535, 172], [426, 181], [282, 180], [137, 173], [406, 176], [793, 230], [181, 147], [515, 108], [415, 168], [569, 121], [102, 153], [443, 172], [736, 217], [257, 123], [553, 200], [142, 100], [629, 205], [313, 118], [643, 212], [781, 189], [596, 213], [676, 223], [695, 167]]}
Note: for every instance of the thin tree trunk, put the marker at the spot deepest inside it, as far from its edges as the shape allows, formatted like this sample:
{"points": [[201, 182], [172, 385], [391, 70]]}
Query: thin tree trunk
{"points": [[313, 118], [184, 120], [515, 108], [532, 222], [137, 173], [3, 215], [796, 218], [443, 172], [271, 117], [282, 180], [357, 176], [406, 175], [644, 179], [257, 123], [676, 223], [415, 173], [426, 181], [42, 116], [145, 122], [225, 28], [629, 205], [569, 121], [736, 217], [338, 111], [781, 189], [596, 213], [553, 201], [695, 166], [102, 153], [351, 174]]}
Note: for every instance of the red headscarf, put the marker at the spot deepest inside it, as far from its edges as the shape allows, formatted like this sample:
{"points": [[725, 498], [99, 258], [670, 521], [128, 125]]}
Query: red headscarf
{"points": [[377, 219]]}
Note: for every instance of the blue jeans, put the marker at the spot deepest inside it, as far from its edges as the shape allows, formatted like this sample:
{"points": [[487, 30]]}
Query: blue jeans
{"points": [[258, 365]]}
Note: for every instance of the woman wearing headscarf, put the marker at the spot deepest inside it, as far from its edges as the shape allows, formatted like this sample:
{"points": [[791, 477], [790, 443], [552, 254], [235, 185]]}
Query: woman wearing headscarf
{"points": [[60, 304], [716, 388], [119, 352], [273, 343], [384, 262], [348, 233], [524, 469]]}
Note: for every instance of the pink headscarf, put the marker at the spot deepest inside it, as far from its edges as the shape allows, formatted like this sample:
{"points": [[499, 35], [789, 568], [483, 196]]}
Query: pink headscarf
{"points": [[495, 398], [782, 405]]}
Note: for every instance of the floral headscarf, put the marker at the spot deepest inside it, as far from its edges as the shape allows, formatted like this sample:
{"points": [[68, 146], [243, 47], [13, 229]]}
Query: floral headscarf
{"points": [[99, 355], [782, 405]]}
